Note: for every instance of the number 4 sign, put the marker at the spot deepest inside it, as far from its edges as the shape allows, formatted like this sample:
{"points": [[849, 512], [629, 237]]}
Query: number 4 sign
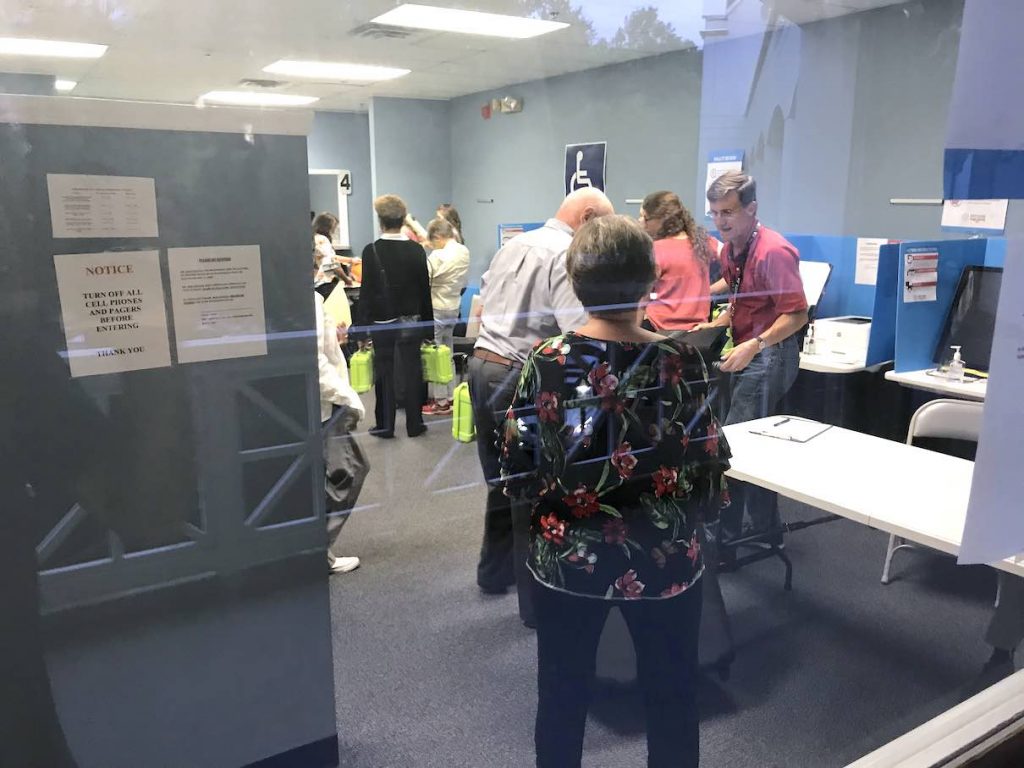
{"points": [[345, 182]]}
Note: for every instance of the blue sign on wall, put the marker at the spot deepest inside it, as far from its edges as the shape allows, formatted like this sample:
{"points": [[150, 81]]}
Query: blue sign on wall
{"points": [[585, 166]]}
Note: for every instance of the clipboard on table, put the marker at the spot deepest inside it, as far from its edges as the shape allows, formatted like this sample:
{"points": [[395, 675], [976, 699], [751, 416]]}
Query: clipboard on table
{"points": [[792, 429]]}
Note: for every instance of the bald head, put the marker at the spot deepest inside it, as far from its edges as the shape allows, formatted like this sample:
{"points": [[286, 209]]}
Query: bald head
{"points": [[583, 205]]}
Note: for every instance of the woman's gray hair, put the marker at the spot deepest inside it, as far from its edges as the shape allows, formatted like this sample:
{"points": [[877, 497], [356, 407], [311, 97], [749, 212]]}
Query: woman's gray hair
{"points": [[611, 264], [742, 184], [440, 229]]}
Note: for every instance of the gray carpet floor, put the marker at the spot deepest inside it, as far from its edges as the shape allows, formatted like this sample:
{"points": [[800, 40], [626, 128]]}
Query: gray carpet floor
{"points": [[429, 672]]}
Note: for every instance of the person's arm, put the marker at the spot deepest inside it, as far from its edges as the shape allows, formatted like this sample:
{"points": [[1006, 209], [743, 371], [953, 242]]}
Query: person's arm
{"points": [[717, 288], [367, 293], [426, 305], [438, 265], [332, 388], [723, 319], [784, 326], [705, 452], [566, 308], [519, 439], [416, 227]]}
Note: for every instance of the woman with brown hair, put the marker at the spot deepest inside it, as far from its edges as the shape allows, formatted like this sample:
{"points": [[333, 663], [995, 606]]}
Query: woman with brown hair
{"points": [[450, 213], [683, 250], [327, 266]]}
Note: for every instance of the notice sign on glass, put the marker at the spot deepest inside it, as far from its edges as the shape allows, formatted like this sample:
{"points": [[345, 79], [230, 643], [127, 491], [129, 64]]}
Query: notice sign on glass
{"points": [[102, 206], [217, 295], [112, 305]]}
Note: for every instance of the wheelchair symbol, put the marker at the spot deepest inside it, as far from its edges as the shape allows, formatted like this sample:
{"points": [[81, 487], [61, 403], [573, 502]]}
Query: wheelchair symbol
{"points": [[581, 178]]}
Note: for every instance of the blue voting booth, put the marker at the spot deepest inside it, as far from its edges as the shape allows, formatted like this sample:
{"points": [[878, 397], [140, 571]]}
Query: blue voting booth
{"points": [[919, 323], [904, 332]]}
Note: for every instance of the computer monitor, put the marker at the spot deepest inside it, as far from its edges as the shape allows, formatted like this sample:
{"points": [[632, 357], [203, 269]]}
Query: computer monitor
{"points": [[971, 320]]}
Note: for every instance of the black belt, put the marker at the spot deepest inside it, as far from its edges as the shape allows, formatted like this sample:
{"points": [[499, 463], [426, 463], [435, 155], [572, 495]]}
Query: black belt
{"points": [[491, 357]]}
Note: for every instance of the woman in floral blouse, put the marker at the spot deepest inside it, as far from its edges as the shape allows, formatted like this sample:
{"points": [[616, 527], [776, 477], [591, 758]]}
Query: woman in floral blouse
{"points": [[611, 437]]}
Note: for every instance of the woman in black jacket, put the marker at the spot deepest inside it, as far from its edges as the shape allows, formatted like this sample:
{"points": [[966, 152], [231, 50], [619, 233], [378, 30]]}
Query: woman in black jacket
{"points": [[395, 307]]}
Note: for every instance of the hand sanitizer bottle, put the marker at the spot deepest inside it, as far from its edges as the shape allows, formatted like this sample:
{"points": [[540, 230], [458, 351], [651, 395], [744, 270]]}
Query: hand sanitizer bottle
{"points": [[956, 366], [809, 348]]}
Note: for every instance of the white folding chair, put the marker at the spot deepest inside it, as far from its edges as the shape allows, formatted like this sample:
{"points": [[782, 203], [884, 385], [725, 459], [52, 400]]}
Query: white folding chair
{"points": [[948, 419]]}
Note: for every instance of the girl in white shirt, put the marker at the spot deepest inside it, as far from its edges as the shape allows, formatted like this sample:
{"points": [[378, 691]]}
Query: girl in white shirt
{"points": [[448, 265]]}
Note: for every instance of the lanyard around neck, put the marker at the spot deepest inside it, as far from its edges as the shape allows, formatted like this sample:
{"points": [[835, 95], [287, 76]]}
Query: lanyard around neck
{"points": [[740, 263]]}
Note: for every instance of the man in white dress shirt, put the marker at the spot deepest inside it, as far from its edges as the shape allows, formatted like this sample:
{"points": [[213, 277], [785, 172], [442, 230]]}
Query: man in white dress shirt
{"points": [[526, 297]]}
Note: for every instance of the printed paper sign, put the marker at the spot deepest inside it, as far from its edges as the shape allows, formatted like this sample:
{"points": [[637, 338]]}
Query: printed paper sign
{"points": [[721, 162], [975, 215], [102, 206], [867, 260], [217, 295], [920, 275], [585, 166], [112, 305]]}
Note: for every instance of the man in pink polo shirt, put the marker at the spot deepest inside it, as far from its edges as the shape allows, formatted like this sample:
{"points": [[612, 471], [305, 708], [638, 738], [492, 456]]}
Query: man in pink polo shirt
{"points": [[767, 309]]}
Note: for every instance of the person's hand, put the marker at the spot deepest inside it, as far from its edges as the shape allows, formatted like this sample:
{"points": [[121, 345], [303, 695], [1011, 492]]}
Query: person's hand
{"points": [[342, 333], [702, 326], [739, 357]]}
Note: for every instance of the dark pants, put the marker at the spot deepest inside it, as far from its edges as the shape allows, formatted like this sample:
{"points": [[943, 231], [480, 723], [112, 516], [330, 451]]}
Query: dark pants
{"points": [[30, 733], [756, 392], [506, 523], [402, 343], [1006, 629], [664, 634]]}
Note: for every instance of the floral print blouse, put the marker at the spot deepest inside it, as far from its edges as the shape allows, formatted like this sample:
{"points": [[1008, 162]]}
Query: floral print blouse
{"points": [[617, 448]]}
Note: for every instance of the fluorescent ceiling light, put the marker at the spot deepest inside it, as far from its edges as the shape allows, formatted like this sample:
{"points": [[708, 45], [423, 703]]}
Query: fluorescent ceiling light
{"points": [[468, 22], [64, 85], [334, 70], [58, 49], [256, 99]]}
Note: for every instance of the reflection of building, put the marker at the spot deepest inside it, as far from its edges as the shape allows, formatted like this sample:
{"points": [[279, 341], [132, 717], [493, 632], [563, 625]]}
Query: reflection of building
{"points": [[738, 18], [716, 17]]}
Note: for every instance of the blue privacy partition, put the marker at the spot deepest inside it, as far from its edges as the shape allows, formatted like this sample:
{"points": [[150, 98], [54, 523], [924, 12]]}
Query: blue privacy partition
{"points": [[842, 296], [919, 324], [882, 342]]}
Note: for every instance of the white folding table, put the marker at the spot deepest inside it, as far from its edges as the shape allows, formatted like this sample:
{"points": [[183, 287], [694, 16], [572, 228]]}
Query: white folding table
{"points": [[918, 494], [967, 390]]}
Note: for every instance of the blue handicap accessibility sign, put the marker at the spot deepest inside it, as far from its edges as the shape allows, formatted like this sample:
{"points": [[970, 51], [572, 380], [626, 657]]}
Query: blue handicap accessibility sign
{"points": [[585, 166]]}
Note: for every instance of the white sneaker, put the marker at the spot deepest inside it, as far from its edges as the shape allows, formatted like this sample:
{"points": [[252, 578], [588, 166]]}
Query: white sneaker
{"points": [[344, 564]]}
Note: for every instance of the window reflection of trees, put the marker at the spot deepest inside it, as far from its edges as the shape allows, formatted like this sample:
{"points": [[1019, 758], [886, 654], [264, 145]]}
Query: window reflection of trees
{"points": [[641, 29]]}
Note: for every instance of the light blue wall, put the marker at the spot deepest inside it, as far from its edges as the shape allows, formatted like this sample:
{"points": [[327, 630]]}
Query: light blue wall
{"points": [[906, 69], [410, 147], [646, 110], [342, 140], [839, 116]]}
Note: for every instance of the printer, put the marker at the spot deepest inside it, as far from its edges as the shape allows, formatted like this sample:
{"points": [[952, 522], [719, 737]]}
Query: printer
{"points": [[843, 337]]}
